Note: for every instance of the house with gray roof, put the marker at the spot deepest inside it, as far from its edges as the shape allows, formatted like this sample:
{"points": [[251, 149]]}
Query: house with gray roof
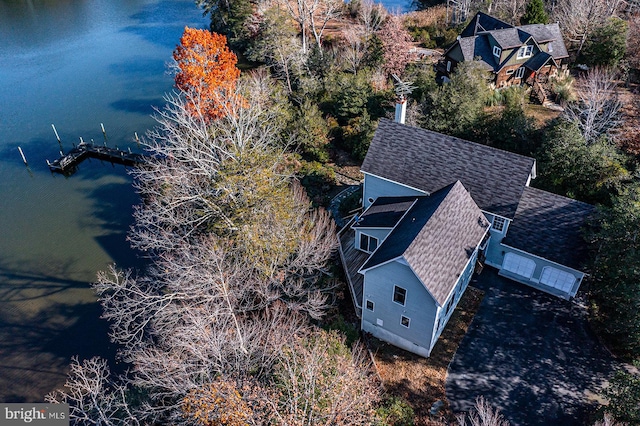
{"points": [[436, 208], [514, 55]]}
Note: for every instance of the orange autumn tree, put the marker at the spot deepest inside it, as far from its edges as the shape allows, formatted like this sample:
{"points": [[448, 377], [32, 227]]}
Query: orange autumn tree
{"points": [[208, 72]]}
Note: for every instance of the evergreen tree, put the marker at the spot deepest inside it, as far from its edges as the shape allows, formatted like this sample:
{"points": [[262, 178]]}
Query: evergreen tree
{"points": [[456, 107], [615, 287], [607, 45], [571, 167], [535, 13]]}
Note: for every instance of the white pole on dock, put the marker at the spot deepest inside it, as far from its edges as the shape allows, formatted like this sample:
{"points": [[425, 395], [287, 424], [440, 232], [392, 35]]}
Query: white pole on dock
{"points": [[137, 139], [23, 157], [56, 132], [104, 133], [81, 141]]}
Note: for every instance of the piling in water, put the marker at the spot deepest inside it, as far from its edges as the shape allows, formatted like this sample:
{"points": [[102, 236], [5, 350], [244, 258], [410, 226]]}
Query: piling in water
{"points": [[56, 132], [24, 159]]}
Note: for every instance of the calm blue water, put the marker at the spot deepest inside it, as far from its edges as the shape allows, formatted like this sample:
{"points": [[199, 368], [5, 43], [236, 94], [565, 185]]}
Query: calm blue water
{"points": [[74, 63]]}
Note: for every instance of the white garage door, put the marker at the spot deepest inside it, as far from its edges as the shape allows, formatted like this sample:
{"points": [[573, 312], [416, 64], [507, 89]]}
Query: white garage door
{"points": [[556, 278], [519, 265]]}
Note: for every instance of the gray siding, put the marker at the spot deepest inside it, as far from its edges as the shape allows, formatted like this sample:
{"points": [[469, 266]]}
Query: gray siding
{"points": [[420, 308], [493, 251], [375, 187], [462, 284]]}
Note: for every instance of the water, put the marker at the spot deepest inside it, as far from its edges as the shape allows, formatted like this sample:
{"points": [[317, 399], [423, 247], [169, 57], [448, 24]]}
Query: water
{"points": [[74, 63]]}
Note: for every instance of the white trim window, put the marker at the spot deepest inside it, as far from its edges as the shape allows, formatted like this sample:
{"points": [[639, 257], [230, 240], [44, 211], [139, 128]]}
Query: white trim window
{"points": [[525, 51], [498, 223], [399, 295], [368, 243], [520, 72], [370, 305], [497, 52], [405, 321], [448, 66], [509, 72]]}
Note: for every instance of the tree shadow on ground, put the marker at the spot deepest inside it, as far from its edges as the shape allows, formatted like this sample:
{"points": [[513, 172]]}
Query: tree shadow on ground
{"points": [[530, 355]]}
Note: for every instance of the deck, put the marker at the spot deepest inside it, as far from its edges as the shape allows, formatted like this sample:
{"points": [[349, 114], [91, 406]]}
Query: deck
{"points": [[352, 260], [67, 163]]}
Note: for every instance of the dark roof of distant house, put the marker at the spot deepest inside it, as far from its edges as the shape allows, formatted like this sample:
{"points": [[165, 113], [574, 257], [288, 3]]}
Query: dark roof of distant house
{"points": [[543, 33], [510, 38], [477, 47], [385, 212], [474, 39], [483, 22], [429, 161], [538, 61], [436, 238], [549, 226]]}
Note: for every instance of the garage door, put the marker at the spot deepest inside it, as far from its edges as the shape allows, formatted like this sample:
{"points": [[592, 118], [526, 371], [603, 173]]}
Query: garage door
{"points": [[558, 279], [519, 265]]}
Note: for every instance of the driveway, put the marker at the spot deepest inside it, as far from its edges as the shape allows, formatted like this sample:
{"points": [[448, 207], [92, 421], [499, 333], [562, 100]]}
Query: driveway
{"points": [[530, 355]]}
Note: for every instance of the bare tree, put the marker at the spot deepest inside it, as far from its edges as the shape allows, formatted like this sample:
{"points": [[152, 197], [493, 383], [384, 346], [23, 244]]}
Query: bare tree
{"points": [[607, 420], [312, 17], [321, 382], [508, 10], [94, 398], [483, 414], [371, 16], [597, 110], [279, 47], [579, 18], [238, 254], [355, 48], [397, 48]]}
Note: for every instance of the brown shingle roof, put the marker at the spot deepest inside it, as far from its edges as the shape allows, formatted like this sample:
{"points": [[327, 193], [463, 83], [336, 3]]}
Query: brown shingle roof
{"points": [[430, 161], [436, 238]]}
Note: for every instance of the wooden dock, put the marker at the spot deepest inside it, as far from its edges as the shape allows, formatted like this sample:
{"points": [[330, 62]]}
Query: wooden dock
{"points": [[67, 163]]}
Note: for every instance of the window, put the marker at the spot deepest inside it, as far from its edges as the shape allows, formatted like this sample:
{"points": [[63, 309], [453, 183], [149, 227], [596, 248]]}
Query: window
{"points": [[405, 321], [370, 305], [367, 243], [498, 223], [399, 295], [448, 66], [497, 51], [449, 305], [520, 72], [525, 52], [509, 72]]}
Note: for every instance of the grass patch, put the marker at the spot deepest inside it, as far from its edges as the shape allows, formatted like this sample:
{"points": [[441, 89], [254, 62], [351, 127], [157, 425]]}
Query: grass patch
{"points": [[421, 381], [541, 114]]}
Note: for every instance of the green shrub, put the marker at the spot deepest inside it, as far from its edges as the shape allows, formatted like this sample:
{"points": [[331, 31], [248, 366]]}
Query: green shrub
{"points": [[349, 331], [317, 179], [351, 203], [395, 412]]}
